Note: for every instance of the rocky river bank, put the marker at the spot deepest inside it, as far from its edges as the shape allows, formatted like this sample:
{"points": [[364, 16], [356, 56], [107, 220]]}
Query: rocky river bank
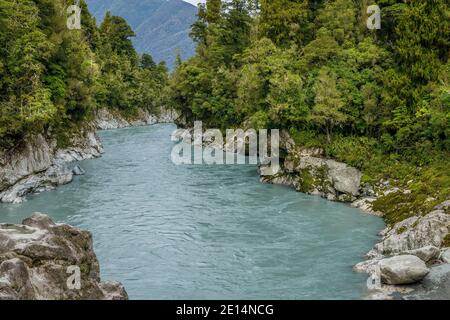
{"points": [[411, 260], [38, 164], [410, 252], [106, 119]]}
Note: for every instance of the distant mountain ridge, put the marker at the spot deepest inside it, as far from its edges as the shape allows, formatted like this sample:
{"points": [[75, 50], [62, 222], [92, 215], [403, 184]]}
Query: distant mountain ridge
{"points": [[161, 26]]}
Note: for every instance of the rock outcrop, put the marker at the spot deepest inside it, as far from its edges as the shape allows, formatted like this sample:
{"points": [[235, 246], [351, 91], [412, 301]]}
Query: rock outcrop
{"points": [[427, 254], [308, 171], [404, 269], [107, 119], [421, 237], [43, 260], [413, 233], [435, 286], [39, 165]]}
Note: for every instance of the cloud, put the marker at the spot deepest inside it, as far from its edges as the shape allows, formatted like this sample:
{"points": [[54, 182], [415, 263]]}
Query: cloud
{"points": [[195, 2]]}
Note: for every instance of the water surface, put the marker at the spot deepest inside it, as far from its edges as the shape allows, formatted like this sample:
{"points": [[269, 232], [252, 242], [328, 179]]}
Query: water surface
{"points": [[205, 232]]}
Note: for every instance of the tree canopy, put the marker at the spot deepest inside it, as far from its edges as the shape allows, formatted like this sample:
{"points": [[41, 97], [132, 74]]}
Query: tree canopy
{"points": [[314, 67], [53, 78]]}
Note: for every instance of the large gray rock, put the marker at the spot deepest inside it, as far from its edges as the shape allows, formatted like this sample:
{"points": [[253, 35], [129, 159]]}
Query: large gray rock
{"points": [[113, 290], [414, 233], [38, 258], [308, 171], [106, 120], [344, 178], [85, 146], [403, 269], [426, 254], [445, 206], [55, 175]]}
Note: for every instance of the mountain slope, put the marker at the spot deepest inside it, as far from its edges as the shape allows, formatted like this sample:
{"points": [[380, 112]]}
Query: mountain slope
{"points": [[161, 26]]}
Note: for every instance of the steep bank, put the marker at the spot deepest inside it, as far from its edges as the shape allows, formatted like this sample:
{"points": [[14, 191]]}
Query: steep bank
{"points": [[420, 241], [38, 258], [38, 164]]}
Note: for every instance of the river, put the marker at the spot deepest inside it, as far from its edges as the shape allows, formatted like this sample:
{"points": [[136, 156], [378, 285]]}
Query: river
{"points": [[205, 232]]}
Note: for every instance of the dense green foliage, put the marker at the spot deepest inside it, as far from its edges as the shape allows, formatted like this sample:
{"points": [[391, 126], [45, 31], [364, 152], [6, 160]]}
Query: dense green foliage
{"points": [[372, 98], [53, 78]]}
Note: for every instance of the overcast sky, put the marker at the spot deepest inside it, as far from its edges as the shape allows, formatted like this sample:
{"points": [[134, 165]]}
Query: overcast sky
{"points": [[195, 2]]}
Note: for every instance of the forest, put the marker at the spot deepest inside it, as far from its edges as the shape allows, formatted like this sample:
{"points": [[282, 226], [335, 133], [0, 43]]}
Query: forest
{"points": [[376, 99], [53, 78]]}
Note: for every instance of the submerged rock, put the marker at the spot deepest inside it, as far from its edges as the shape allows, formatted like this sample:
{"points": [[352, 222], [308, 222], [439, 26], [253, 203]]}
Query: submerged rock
{"points": [[445, 255], [43, 260], [78, 171], [403, 269]]}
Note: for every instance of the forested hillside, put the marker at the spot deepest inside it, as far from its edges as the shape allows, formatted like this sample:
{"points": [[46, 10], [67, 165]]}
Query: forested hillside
{"points": [[52, 78], [162, 26], [376, 99]]}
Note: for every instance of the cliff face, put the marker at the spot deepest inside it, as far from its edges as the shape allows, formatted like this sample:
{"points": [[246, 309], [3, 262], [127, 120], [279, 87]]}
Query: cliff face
{"points": [[38, 165], [43, 260], [107, 119]]}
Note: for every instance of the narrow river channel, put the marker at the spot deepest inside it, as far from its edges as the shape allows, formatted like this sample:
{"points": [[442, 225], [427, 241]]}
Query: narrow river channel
{"points": [[205, 232]]}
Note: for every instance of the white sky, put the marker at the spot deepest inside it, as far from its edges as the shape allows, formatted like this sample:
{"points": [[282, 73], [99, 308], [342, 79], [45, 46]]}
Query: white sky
{"points": [[195, 2]]}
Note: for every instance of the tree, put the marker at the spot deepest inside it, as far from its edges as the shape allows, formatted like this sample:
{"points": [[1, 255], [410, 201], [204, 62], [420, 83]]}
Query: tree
{"points": [[199, 27], [147, 62], [326, 112], [313, 66], [213, 11], [423, 38], [286, 22], [54, 78], [115, 32]]}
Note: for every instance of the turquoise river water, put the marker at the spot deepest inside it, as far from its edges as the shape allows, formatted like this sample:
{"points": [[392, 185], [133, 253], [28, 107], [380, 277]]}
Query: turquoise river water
{"points": [[205, 232]]}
